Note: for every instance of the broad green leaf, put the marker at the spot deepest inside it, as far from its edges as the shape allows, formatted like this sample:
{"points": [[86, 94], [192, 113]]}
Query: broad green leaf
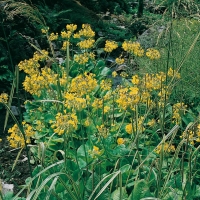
{"points": [[106, 71], [116, 194], [125, 168], [82, 163], [100, 64], [140, 190]]}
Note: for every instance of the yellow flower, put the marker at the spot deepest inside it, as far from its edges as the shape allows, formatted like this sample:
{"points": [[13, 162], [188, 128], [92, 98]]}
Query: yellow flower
{"points": [[120, 141], [86, 32], [106, 84], [123, 74], [83, 58], [166, 148], [114, 74], [65, 123], [177, 109], [119, 61], [44, 30], [83, 84], [71, 27], [86, 44], [134, 91], [3, 98], [133, 48], [151, 123], [65, 34], [0, 140], [110, 46], [173, 73], [135, 80], [53, 36], [129, 128], [153, 54], [106, 109], [96, 149], [16, 138], [74, 102], [87, 122]]}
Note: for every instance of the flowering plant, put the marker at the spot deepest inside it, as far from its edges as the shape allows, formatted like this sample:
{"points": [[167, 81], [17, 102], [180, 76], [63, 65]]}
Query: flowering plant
{"points": [[87, 131]]}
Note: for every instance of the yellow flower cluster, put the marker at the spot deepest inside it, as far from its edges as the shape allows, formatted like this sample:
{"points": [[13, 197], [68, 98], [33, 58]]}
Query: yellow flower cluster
{"points": [[97, 103], [86, 32], [153, 54], [71, 27], [178, 110], [65, 123], [103, 131], [120, 141], [135, 79], [119, 61], [129, 128], [114, 74], [32, 65], [128, 97], [110, 46], [65, 45], [83, 58], [94, 152], [106, 85], [136, 127], [106, 109], [72, 101], [86, 44], [133, 48], [123, 74], [3, 98], [151, 123], [83, 84], [66, 35], [153, 81], [16, 138], [53, 36], [167, 148], [192, 135], [44, 30], [173, 73], [35, 83]]}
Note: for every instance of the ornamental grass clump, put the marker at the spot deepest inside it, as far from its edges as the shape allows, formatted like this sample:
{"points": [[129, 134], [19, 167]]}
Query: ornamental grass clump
{"points": [[92, 138]]}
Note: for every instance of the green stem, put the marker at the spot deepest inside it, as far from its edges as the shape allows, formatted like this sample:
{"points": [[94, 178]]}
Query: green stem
{"points": [[166, 81], [67, 63]]}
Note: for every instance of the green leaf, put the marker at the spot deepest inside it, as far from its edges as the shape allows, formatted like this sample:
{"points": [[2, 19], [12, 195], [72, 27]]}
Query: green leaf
{"points": [[59, 140], [100, 64], [2, 39], [140, 190], [125, 168], [116, 194], [82, 150], [105, 71], [8, 196], [91, 184], [82, 163]]}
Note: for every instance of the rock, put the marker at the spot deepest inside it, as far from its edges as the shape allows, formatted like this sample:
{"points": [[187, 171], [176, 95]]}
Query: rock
{"points": [[148, 39], [5, 188]]}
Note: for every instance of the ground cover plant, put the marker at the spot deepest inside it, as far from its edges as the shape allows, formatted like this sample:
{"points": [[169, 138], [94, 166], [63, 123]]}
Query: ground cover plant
{"points": [[96, 133]]}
